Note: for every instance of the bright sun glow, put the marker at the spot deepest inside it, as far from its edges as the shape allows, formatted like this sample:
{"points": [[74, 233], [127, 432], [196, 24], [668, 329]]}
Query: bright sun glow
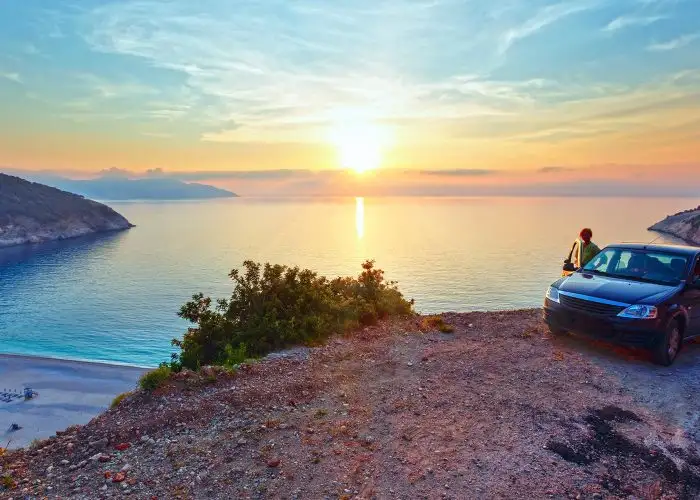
{"points": [[360, 146]]}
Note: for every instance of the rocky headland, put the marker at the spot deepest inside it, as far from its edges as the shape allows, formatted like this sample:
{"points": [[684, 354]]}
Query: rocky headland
{"points": [[684, 225], [496, 409], [35, 213]]}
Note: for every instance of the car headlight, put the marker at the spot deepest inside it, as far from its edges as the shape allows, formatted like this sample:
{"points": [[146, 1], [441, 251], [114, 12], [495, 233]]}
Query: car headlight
{"points": [[639, 311], [553, 294]]}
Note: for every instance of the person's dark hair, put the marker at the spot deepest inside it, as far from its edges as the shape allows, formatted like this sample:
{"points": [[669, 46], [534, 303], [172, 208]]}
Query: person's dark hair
{"points": [[586, 234]]}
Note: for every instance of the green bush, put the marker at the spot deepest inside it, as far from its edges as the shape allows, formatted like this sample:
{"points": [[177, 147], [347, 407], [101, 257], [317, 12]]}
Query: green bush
{"points": [[274, 306], [235, 356], [152, 380], [119, 399]]}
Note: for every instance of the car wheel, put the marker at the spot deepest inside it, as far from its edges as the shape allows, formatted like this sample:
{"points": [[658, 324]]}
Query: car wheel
{"points": [[670, 345]]}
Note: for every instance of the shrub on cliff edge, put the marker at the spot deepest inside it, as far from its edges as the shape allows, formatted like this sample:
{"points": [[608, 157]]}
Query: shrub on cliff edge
{"points": [[150, 381], [275, 306]]}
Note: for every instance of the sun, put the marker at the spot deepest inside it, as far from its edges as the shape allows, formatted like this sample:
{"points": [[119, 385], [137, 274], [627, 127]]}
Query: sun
{"points": [[360, 146]]}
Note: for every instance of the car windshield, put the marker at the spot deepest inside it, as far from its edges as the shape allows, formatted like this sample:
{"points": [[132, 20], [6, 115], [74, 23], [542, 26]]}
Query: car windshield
{"points": [[640, 265]]}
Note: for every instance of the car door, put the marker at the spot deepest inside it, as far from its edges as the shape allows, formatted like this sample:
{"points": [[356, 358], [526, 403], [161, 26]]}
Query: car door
{"points": [[692, 296]]}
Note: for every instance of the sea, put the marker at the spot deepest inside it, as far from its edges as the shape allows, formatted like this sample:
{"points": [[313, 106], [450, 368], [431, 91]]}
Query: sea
{"points": [[115, 297]]}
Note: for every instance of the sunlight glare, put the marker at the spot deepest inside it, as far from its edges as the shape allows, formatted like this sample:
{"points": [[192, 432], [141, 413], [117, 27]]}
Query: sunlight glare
{"points": [[360, 145]]}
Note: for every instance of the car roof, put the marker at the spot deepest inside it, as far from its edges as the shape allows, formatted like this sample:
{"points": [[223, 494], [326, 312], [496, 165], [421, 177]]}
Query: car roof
{"points": [[677, 249]]}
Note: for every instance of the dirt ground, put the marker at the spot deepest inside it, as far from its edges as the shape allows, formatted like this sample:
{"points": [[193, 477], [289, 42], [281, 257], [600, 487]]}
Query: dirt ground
{"points": [[497, 409]]}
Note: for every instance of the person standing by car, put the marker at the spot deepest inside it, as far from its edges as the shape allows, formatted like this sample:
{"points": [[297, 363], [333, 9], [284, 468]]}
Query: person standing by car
{"points": [[582, 252], [584, 249]]}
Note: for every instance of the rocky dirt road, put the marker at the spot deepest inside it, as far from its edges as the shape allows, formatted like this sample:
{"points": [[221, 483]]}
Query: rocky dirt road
{"points": [[497, 409]]}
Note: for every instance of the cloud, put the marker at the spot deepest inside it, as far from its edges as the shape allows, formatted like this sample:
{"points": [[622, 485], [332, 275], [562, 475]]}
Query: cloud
{"points": [[629, 21], [543, 18], [676, 43], [13, 77], [461, 172], [553, 170]]}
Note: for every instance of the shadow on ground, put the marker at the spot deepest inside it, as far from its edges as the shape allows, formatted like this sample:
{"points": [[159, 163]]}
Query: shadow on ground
{"points": [[671, 392]]}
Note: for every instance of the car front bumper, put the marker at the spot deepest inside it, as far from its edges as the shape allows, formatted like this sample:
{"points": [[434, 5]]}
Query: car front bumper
{"points": [[624, 331]]}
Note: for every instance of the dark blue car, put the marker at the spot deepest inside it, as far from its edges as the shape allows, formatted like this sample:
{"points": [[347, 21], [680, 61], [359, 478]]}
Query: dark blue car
{"points": [[636, 295]]}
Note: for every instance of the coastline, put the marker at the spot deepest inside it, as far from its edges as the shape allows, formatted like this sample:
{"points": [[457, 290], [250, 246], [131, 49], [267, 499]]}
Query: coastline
{"points": [[69, 393]]}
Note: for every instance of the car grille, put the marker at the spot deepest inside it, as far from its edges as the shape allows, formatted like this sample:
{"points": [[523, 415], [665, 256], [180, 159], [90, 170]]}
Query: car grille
{"points": [[590, 306]]}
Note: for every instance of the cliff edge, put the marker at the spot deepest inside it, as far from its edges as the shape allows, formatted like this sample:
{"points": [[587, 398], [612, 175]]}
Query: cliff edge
{"points": [[35, 213], [684, 225]]}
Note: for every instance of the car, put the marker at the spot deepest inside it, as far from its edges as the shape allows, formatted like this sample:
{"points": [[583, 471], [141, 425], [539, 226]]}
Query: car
{"points": [[631, 294]]}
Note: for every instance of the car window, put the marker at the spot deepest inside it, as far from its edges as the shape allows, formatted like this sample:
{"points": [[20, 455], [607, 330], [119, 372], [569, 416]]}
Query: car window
{"points": [[666, 268], [601, 262]]}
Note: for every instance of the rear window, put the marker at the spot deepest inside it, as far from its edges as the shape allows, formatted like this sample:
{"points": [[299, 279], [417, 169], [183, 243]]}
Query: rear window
{"points": [[640, 265]]}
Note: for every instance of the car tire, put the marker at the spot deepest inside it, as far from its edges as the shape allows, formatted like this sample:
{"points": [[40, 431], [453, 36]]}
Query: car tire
{"points": [[670, 345]]}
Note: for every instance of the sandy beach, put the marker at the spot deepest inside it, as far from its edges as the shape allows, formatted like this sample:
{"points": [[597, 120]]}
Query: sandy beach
{"points": [[70, 393]]}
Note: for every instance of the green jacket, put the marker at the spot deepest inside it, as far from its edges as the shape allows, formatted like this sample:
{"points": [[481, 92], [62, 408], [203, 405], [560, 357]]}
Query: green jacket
{"points": [[583, 254]]}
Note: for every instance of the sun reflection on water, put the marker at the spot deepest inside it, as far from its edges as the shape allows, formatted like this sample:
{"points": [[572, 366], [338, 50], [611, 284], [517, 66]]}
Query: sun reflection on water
{"points": [[360, 217]]}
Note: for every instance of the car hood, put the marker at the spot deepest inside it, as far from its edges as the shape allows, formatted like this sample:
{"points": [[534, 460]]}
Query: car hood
{"points": [[615, 289]]}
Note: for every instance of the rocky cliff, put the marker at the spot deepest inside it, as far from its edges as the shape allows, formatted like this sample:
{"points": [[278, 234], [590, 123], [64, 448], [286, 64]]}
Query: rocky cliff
{"points": [[35, 213], [683, 225]]}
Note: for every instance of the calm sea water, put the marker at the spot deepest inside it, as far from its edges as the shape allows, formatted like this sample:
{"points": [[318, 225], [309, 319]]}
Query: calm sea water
{"points": [[115, 297]]}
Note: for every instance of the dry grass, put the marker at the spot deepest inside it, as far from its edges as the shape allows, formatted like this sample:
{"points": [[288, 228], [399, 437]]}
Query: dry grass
{"points": [[431, 323]]}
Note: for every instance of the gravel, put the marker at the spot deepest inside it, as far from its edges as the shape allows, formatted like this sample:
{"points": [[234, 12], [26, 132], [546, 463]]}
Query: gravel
{"points": [[498, 409]]}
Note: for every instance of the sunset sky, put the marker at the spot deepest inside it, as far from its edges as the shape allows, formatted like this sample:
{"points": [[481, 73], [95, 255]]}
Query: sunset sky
{"points": [[471, 87]]}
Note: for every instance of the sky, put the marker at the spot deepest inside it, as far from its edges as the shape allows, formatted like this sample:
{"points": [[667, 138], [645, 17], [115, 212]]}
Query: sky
{"points": [[474, 91]]}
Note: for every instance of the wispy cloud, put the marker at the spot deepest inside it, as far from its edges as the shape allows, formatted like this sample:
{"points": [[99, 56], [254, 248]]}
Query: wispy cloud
{"points": [[676, 43], [543, 18], [14, 77], [263, 83], [629, 21]]}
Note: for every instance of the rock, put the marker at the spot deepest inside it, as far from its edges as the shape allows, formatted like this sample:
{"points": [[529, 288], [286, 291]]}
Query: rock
{"points": [[104, 458], [126, 468], [119, 477], [144, 439], [95, 457], [684, 225], [100, 444], [275, 462], [122, 446], [64, 462], [242, 441], [35, 213]]}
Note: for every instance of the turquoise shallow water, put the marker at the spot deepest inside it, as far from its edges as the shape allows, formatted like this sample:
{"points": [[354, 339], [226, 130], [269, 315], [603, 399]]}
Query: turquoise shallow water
{"points": [[115, 297]]}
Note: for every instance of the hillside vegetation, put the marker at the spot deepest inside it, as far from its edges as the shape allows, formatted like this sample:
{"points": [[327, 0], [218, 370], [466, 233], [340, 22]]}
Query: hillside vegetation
{"points": [[34, 213], [275, 306]]}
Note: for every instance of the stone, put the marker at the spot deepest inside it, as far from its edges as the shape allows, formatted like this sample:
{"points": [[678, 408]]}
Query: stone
{"points": [[122, 446], [100, 444]]}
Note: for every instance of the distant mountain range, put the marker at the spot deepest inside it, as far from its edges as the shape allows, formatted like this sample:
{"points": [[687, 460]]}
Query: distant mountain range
{"points": [[115, 188]]}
